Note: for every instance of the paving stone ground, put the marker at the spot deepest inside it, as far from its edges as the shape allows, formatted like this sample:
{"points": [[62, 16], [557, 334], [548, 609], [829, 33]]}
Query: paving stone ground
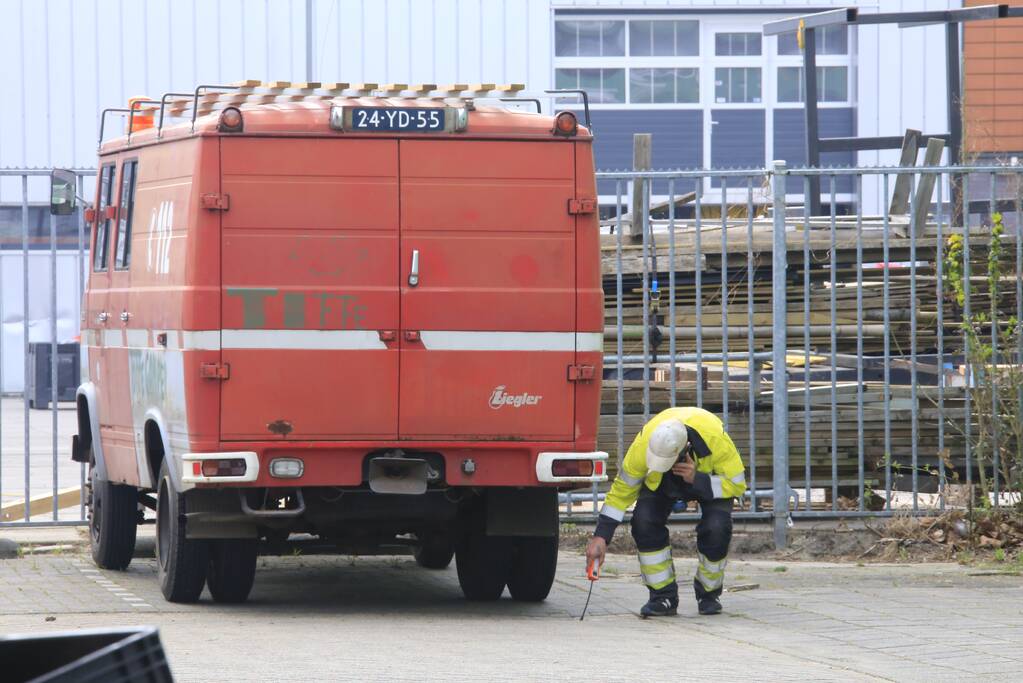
{"points": [[370, 618]]}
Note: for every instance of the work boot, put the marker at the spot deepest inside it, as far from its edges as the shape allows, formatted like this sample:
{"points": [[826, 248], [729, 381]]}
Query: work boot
{"points": [[709, 606], [659, 607]]}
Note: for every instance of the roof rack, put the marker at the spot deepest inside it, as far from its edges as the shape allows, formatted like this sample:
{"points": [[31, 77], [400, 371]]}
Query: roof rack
{"points": [[207, 98]]}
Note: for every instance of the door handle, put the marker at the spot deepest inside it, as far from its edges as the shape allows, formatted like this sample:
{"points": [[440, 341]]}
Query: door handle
{"points": [[102, 317], [125, 316], [413, 276]]}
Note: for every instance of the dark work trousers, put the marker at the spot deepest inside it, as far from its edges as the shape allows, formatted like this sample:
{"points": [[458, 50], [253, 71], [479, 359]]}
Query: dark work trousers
{"points": [[713, 533]]}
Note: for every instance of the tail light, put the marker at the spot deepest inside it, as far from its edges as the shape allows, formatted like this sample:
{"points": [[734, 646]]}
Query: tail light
{"points": [[230, 120], [573, 468], [566, 124], [231, 467]]}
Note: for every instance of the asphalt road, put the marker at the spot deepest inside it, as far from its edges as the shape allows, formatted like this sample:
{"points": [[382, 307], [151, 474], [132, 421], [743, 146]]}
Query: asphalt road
{"points": [[373, 618]]}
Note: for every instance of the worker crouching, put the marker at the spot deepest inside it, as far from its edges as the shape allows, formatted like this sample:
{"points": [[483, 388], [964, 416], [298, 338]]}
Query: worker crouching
{"points": [[681, 455]]}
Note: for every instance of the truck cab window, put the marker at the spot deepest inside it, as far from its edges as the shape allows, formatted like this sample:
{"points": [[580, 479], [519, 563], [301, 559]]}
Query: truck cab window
{"points": [[106, 193], [129, 172]]}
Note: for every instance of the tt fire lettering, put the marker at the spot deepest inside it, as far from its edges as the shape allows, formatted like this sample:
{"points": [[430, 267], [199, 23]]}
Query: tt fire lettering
{"points": [[501, 398]]}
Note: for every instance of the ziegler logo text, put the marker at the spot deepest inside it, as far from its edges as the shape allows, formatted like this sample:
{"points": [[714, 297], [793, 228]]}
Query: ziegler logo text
{"points": [[501, 398]]}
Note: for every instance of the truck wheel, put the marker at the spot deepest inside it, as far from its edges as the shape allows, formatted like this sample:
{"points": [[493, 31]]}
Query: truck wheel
{"points": [[434, 551], [113, 519], [533, 566], [232, 569], [181, 562], [482, 562]]}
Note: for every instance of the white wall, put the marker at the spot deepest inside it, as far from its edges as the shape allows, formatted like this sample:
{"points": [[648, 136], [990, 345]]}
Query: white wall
{"points": [[63, 61], [902, 84]]}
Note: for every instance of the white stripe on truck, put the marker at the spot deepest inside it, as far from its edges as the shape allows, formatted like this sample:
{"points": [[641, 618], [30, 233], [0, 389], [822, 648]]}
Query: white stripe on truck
{"points": [[437, 340], [302, 340], [341, 340]]}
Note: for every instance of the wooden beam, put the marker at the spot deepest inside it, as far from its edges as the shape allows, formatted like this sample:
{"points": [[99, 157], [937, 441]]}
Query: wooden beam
{"points": [[642, 146], [40, 505], [900, 194], [393, 89], [925, 188]]}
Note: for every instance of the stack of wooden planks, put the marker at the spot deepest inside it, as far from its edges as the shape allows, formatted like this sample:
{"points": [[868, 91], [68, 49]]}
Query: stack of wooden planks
{"points": [[742, 260]]}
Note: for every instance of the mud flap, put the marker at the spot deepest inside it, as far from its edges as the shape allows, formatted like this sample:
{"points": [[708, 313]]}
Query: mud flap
{"points": [[522, 512], [217, 514]]}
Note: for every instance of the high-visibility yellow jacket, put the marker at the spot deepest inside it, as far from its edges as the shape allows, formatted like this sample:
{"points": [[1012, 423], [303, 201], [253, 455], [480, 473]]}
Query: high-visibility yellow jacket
{"points": [[719, 469]]}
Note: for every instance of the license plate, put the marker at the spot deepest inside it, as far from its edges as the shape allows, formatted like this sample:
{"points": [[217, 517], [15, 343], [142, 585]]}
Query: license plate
{"points": [[395, 119]]}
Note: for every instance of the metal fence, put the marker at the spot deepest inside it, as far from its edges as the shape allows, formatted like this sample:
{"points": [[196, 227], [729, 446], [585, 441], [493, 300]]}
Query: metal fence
{"points": [[722, 278], [873, 413], [42, 277]]}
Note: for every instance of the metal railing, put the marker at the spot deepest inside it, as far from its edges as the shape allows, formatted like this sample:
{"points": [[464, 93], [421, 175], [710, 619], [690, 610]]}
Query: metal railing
{"points": [[42, 278], [857, 309], [724, 278]]}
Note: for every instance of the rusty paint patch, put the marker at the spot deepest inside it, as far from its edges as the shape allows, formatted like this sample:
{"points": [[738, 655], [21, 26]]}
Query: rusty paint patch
{"points": [[281, 427]]}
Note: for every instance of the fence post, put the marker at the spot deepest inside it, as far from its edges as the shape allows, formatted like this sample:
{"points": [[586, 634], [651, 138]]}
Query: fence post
{"points": [[642, 146], [779, 386]]}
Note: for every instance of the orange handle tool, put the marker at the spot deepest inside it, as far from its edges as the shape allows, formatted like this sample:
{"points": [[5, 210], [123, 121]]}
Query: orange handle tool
{"points": [[592, 570]]}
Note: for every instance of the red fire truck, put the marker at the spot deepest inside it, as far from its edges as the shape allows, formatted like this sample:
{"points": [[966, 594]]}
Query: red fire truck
{"points": [[353, 315]]}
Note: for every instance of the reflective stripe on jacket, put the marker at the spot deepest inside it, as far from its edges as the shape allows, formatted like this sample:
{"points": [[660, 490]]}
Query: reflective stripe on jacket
{"points": [[720, 472]]}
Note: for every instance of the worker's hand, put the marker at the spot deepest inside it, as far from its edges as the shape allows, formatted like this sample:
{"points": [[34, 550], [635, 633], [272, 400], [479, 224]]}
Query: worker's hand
{"points": [[685, 469], [595, 551]]}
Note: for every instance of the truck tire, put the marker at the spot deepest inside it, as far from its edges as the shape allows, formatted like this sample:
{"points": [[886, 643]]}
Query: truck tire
{"points": [[232, 569], [482, 562], [533, 565], [434, 551], [113, 521], [180, 562]]}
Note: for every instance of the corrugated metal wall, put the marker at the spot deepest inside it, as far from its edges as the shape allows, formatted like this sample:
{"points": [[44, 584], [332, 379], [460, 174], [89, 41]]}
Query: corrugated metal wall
{"points": [[63, 61]]}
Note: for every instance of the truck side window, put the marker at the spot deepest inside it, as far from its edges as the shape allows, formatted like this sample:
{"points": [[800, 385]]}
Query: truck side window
{"points": [[129, 173], [106, 194]]}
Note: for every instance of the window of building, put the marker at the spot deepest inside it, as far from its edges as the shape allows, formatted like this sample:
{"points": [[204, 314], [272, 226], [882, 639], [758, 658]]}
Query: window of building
{"points": [[589, 38], [604, 86], [664, 38], [831, 40], [832, 84], [106, 195], [737, 85], [129, 170], [670, 86], [736, 44]]}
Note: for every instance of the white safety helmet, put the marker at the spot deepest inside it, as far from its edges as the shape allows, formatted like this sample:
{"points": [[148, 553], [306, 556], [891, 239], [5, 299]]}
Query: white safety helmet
{"points": [[666, 443]]}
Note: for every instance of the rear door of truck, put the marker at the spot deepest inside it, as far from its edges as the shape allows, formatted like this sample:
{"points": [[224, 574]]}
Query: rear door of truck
{"points": [[488, 317], [309, 289]]}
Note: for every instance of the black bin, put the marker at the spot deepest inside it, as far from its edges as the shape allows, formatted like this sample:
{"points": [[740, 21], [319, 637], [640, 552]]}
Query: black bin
{"points": [[88, 656], [68, 373]]}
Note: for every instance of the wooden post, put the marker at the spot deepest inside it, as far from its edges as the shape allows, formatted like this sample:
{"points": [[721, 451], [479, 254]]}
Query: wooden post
{"points": [[642, 144], [925, 188], [900, 195]]}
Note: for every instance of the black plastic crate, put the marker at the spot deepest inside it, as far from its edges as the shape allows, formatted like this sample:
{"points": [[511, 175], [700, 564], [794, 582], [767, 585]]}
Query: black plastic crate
{"points": [[68, 373], [87, 656]]}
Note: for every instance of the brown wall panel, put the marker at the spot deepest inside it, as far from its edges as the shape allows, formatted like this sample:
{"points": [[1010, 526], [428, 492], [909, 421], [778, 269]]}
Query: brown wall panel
{"points": [[993, 84]]}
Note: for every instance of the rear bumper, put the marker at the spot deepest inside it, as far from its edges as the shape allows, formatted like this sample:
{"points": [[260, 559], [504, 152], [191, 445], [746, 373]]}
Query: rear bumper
{"points": [[501, 463]]}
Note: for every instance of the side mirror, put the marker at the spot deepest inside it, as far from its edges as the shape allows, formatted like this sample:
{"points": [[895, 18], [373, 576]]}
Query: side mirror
{"points": [[62, 192]]}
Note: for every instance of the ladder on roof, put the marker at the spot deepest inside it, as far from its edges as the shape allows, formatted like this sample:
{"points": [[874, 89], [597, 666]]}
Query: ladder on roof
{"points": [[208, 98]]}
